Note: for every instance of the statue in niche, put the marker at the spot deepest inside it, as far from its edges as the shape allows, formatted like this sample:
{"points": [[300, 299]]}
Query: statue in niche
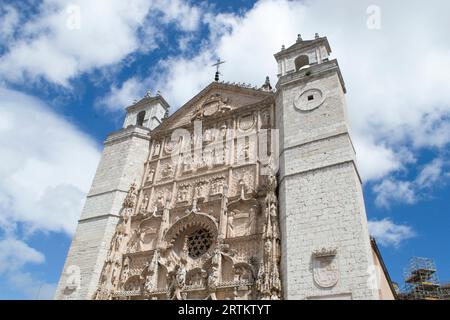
{"points": [[127, 213], [151, 174], [213, 278], [197, 278], [115, 272], [160, 201], [242, 189], [167, 171], [207, 158], [183, 194], [242, 274], [218, 156], [162, 198], [152, 273], [200, 190], [117, 242], [134, 243], [131, 197], [217, 186], [216, 257], [126, 269], [157, 149], [178, 282], [144, 204], [265, 119], [243, 154], [274, 217], [230, 227], [251, 223], [141, 241], [208, 136], [223, 131]]}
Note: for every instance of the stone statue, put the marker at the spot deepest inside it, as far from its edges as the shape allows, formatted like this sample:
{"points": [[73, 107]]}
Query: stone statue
{"points": [[144, 204], [230, 227], [167, 171], [178, 283], [151, 174], [125, 269], [183, 193], [130, 199], [251, 223], [152, 273], [157, 149]]}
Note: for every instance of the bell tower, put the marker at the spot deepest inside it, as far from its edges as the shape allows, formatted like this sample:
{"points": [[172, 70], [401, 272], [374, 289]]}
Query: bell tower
{"points": [[326, 252], [122, 163]]}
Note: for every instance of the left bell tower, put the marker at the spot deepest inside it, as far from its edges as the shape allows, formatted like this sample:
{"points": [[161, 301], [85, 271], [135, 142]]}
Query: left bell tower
{"points": [[124, 155]]}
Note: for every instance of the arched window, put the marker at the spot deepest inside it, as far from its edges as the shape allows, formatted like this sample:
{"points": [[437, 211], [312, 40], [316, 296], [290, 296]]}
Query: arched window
{"points": [[140, 118], [301, 61]]}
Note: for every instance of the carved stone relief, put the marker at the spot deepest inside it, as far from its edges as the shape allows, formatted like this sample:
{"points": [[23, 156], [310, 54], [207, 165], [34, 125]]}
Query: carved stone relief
{"points": [[243, 179], [217, 186], [214, 105], [214, 238], [247, 122], [183, 195], [156, 149], [167, 170], [325, 267], [150, 175]]}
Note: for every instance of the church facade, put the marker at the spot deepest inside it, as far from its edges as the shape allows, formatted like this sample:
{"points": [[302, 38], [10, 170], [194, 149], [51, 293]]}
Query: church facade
{"points": [[242, 193]]}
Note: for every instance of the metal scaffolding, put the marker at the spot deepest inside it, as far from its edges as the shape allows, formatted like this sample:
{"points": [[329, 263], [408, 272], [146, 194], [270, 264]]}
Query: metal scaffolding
{"points": [[421, 282]]}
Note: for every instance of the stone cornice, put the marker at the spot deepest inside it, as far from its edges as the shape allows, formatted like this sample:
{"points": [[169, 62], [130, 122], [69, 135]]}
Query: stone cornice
{"points": [[147, 100], [126, 133], [302, 46]]}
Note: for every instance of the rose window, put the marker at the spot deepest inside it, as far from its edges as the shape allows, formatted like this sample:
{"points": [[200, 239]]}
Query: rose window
{"points": [[199, 242]]}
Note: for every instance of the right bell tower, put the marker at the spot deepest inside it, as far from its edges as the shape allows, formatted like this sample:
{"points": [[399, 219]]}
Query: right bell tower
{"points": [[326, 251]]}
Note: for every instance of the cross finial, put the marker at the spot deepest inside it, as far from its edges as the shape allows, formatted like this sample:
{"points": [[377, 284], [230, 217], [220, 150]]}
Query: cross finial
{"points": [[217, 64]]}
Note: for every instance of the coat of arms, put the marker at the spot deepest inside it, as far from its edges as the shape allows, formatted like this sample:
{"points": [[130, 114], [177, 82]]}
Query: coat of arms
{"points": [[214, 105], [325, 267]]}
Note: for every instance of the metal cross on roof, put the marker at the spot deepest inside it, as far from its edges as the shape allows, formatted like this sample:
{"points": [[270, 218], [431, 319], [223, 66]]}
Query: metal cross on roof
{"points": [[217, 64]]}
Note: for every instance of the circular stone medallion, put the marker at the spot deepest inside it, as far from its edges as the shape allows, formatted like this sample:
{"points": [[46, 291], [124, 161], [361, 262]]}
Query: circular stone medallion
{"points": [[309, 100]]}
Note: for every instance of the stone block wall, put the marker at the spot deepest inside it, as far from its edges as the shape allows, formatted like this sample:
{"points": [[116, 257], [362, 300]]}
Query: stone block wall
{"points": [[122, 163]]}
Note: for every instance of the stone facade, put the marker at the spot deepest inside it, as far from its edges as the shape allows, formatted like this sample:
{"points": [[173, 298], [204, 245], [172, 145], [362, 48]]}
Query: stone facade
{"points": [[193, 206]]}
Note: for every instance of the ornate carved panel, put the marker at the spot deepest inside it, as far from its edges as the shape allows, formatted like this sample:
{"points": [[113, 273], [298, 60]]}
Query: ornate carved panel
{"points": [[203, 230]]}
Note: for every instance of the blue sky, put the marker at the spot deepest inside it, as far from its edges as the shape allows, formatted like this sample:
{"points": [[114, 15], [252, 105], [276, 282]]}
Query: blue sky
{"points": [[69, 68]]}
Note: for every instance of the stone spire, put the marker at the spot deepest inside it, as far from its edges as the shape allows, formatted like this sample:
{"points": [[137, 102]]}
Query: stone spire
{"points": [[266, 86]]}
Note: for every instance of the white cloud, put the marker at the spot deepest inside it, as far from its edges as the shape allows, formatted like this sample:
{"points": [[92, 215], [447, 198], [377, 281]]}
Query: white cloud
{"points": [[8, 22], [186, 17], [392, 191], [378, 160], [46, 169], [14, 256], [387, 233], [121, 97], [31, 287], [69, 37], [47, 166], [431, 173]]}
